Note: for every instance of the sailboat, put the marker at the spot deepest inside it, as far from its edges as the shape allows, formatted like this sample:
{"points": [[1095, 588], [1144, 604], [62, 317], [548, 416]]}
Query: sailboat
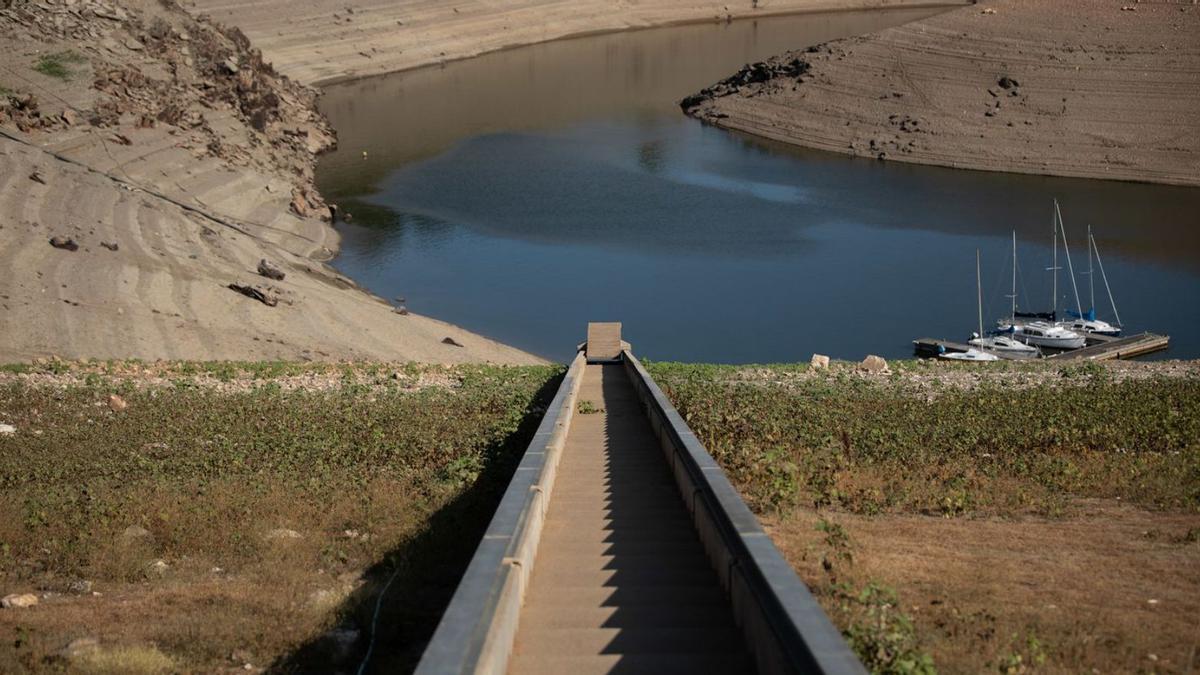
{"points": [[973, 354], [1006, 343], [1087, 321], [1045, 332]]}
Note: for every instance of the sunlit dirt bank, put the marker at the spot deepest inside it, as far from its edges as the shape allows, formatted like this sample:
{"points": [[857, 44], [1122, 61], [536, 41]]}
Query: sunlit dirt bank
{"points": [[1086, 88]]}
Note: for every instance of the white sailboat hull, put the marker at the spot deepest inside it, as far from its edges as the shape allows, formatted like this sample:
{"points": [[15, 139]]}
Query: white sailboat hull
{"points": [[1043, 334], [1003, 343], [1091, 326], [969, 355]]}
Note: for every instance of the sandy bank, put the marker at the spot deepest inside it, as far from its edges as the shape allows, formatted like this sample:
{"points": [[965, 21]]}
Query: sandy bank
{"points": [[175, 160], [322, 41], [1089, 88]]}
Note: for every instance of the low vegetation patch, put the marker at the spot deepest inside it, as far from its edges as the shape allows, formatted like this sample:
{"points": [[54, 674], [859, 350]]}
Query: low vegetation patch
{"points": [[946, 441], [58, 65], [195, 517], [1015, 518]]}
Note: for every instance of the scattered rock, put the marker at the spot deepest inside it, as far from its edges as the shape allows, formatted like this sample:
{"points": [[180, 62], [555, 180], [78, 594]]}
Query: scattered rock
{"points": [[282, 533], [158, 567], [18, 601], [270, 270], [451, 341], [819, 361], [80, 587], [65, 243], [116, 403], [299, 204], [36, 177], [110, 245], [1007, 82], [874, 364], [79, 647], [230, 65], [258, 293], [401, 310], [135, 532], [7, 430], [753, 73]]}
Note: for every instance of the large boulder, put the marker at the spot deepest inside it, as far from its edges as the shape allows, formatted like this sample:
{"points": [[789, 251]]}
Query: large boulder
{"points": [[874, 364]]}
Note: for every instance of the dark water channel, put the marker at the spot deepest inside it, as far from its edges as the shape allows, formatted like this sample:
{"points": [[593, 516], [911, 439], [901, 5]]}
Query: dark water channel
{"points": [[524, 193]]}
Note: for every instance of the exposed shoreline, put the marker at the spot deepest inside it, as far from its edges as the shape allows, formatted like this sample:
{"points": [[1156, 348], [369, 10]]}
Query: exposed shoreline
{"points": [[322, 42], [1083, 89]]}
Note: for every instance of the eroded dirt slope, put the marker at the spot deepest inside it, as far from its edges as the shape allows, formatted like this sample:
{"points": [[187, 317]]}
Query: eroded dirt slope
{"points": [[166, 159], [1091, 88]]}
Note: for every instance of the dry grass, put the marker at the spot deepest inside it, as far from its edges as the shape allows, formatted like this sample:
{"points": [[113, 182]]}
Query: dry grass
{"points": [[1114, 588], [125, 660]]}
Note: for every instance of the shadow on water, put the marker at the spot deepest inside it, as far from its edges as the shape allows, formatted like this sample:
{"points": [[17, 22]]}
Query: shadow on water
{"points": [[427, 568]]}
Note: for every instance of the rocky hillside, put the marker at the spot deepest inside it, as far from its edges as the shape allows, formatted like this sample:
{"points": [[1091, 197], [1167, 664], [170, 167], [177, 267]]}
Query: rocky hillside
{"points": [[149, 162]]}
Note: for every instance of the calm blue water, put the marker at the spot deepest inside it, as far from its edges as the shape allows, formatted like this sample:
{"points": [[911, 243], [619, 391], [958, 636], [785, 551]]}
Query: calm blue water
{"points": [[604, 203]]}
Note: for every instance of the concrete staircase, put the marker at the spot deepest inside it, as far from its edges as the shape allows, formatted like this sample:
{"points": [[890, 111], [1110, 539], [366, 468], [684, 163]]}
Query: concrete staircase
{"points": [[621, 583]]}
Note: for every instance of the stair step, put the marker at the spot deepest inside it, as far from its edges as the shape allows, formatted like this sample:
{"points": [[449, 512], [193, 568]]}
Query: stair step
{"points": [[631, 664], [683, 559], [611, 596], [706, 615], [584, 641], [557, 577], [667, 549]]}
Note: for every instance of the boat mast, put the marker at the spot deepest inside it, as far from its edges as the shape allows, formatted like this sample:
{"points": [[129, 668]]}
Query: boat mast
{"points": [[979, 292], [1067, 250], [1105, 278], [1013, 315], [1091, 281], [1054, 265]]}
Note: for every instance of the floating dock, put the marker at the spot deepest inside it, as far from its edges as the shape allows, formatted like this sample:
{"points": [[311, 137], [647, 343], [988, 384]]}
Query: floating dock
{"points": [[1116, 347], [1099, 348], [932, 347]]}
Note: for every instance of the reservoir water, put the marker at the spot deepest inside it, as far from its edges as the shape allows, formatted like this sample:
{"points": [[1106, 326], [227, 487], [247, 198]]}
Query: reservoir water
{"points": [[524, 193]]}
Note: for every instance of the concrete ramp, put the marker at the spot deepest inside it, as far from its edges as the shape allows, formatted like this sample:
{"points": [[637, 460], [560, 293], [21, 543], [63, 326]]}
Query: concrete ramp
{"points": [[603, 343]]}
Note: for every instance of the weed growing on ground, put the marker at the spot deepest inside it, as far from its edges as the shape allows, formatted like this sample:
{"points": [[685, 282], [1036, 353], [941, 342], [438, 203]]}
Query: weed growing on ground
{"points": [[1024, 657], [882, 635], [588, 408], [57, 65], [266, 505], [882, 444]]}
